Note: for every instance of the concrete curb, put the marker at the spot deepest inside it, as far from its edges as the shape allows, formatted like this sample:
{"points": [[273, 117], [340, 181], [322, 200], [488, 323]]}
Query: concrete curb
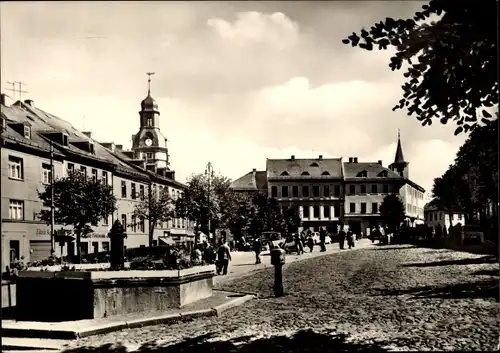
{"points": [[120, 325], [231, 304]]}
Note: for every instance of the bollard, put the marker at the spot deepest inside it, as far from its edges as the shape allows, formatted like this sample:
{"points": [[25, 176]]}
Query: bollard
{"points": [[278, 260]]}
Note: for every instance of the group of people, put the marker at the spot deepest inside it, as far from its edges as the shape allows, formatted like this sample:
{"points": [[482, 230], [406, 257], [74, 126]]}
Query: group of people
{"points": [[206, 253], [346, 235]]}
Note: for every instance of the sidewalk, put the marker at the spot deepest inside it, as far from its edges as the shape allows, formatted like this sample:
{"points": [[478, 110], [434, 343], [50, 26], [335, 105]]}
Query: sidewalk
{"points": [[24, 334], [243, 263]]}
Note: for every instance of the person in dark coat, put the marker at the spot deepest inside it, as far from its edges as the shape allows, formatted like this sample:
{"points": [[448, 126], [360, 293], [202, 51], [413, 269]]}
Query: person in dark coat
{"points": [[342, 237], [257, 248], [298, 244], [350, 238], [322, 239], [310, 242]]}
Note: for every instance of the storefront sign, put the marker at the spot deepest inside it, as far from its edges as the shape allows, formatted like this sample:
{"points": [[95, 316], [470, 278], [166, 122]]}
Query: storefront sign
{"points": [[95, 235], [40, 232]]}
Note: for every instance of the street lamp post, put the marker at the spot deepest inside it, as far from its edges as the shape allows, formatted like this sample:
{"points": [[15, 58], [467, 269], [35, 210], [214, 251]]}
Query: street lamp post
{"points": [[209, 172]]}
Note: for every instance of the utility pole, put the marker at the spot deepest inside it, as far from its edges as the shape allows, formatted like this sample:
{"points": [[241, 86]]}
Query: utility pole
{"points": [[150, 230], [209, 171], [52, 209]]}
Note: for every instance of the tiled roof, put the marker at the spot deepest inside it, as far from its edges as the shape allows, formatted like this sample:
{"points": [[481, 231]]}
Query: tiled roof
{"points": [[373, 170], [42, 121], [254, 180], [331, 167]]}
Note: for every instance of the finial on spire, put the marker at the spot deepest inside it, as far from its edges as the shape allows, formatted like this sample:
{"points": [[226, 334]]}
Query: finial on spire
{"points": [[149, 81]]}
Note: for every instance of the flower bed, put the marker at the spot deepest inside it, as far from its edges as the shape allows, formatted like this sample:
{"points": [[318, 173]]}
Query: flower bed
{"points": [[90, 294]]}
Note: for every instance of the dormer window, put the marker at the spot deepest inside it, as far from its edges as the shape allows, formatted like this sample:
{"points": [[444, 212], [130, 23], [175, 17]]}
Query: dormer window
{"points": [[65, 140], [362, 174], [91, 148], [325, 173], [27, 131], [383, 174], [314, 164], [305, 173], [285, 173]]}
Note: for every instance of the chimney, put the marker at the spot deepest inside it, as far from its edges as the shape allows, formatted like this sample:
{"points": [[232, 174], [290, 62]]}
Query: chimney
{"points": [[254, 170], [119, 147], [355, 159], [30, 103], [320, 156], [2, 98], [350, 159], [87, 133], [380, 162], [293, 157]]}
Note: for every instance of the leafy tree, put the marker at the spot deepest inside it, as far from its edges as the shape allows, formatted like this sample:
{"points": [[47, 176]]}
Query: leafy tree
{"points": [[451, 62], [445, 192], [392, 212], [79, 201], [292, 219], [196, 204], [156, 207]]}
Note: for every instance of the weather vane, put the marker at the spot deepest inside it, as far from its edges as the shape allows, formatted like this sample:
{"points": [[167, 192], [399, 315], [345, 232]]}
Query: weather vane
{"points": [[149, 81]]}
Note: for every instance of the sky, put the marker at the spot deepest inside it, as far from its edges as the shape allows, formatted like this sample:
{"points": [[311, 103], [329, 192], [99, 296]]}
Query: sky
{"points": [[236, 82]]}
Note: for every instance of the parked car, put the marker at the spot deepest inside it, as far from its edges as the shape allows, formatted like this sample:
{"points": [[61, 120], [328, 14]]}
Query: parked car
{"points": [[272, 239], [289, 245]]}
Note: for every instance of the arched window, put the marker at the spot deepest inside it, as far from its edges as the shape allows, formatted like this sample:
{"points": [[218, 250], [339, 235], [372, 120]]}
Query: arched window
{"points": [[314, 164], [325, 173], [285, 173], [305, 173], [362, 174]]}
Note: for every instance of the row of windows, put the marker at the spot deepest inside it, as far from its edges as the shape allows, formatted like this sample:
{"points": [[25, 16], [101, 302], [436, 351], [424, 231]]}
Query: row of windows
{"points": [[352, 208], [415, 193], [374, 189], [133, 190], [16, 212], [324, 191], [306, 213], [361, 174], [16, 170], [434, 216], [317, 191], [95, 172]]}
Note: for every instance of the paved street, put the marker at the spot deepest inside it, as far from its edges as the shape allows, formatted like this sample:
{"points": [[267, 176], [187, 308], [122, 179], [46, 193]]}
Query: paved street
{"points": [[381, 297]]}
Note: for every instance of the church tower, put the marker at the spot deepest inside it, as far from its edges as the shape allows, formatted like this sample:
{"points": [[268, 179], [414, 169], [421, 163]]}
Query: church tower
{"points": [[149, 144], [400, 166]]}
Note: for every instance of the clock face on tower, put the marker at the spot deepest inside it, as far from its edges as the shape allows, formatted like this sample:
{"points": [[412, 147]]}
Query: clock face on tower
{"points": [[148, 142]]}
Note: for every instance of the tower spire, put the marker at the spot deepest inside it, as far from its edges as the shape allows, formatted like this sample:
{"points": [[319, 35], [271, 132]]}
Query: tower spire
{"points": [[149, 81], [399, 151]]}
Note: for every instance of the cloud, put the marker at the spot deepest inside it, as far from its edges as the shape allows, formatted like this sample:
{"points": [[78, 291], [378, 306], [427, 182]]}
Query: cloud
{"points": [[236, 82]]}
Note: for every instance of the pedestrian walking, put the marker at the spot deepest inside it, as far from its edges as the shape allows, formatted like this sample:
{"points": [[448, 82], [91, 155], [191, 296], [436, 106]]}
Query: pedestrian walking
{"points": [[350, 238], [342, 237], [322, 239], [298, 244], [373, 234], [381, 233], [257, 247], [310, 243], [224, 256]]}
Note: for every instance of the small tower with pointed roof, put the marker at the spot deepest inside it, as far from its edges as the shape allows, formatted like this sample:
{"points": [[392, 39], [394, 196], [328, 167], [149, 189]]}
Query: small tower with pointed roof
{"points": [[149, 144], [400, 166]]}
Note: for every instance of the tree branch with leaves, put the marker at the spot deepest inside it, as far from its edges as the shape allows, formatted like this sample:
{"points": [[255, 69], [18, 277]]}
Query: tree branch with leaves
{"points": [[451, 62]]}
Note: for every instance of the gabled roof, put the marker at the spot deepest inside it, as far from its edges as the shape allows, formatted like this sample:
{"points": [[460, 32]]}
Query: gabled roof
{"points": [[252, 181], [373, 170], [295, 167], [43, 122]]}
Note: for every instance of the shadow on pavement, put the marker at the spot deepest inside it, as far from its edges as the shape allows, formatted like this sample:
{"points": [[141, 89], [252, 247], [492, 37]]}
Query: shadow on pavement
{"points": [[385, 247], [303, 341], [487, 273], [481, 260], [485, 289]]}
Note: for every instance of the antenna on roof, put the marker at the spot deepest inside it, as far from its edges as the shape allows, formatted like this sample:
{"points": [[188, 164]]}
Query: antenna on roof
{"points": [[18, 90], [149, 81]]}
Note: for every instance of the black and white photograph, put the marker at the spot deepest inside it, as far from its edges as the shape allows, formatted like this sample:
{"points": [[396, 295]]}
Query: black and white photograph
{"points": [[249, 176]]}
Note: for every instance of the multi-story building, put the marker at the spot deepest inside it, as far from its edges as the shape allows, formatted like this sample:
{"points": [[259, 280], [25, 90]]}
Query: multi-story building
{"points": [[412, 194], [330, 192], [436, 217], [366, 186], [27, 137]]}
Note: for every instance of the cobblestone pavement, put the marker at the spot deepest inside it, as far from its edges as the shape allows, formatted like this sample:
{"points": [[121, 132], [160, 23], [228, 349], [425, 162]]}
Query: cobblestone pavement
{"points": [[395, 297]]}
